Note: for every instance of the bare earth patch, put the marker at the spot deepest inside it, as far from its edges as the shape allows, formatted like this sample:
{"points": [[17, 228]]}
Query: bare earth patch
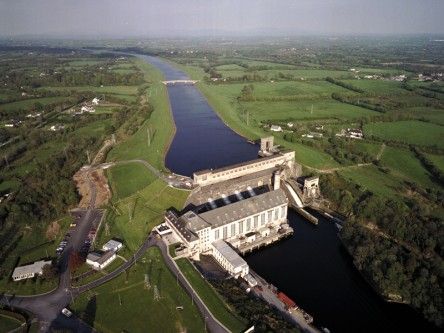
{"points": [[101, 183]]}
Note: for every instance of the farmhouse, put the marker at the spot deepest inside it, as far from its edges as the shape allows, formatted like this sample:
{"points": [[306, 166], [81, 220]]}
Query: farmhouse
{"points": [[29, 271], [95, 101]]}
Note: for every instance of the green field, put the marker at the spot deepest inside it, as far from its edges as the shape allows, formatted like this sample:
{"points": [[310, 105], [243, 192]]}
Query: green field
{"points": [[437, 160], [374, 180], [118, 90], [126, 179], [126, 305], [132, 218], [411, 131], [28, 103], [404, 164], [211, 298], [378, 86]]}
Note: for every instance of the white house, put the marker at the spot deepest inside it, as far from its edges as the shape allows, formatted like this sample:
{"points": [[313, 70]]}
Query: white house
{"points": [[87, 108], [98, 260], [275, 128], [29, 271], [229, 259], [95, 101]]}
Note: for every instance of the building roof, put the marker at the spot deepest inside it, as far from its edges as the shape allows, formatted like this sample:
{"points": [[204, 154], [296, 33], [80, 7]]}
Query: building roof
{"points": [[32, 268], [181, 225], [100, 257], [229, 254], [112, 244], [235, 211]]}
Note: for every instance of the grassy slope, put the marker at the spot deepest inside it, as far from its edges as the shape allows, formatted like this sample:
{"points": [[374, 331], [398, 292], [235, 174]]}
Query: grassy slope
{"points": [[212, 300], [28, 103], [8, 323], [129, 178], [405, 165], [125, 305], [160, 124]]}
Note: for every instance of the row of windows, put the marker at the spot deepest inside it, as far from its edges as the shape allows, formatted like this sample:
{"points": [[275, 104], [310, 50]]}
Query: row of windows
{"points": [[250, 223], [244, 168]]}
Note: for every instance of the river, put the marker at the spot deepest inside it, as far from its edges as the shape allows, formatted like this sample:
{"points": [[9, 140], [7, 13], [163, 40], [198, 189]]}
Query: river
{"points": [[312, 267]]}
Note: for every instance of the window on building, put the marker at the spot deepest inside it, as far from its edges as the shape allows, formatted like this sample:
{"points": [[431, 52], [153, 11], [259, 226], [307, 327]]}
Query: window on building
{"points": [[256, 221], [262, 218], [241, 227], [224, 233], [270, 215], [276, 213], [248, 224], [216, 234], [283, 212], [233, 230]]}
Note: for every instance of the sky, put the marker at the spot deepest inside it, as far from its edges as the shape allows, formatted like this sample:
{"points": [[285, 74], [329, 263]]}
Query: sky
{"points": [[151, 18]]}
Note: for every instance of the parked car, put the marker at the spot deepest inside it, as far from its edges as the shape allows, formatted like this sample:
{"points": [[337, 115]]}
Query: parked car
{"points": [[66, 312]]}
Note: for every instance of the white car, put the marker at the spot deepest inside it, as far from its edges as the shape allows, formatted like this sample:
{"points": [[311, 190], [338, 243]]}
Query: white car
{"points": [[66, 312]]}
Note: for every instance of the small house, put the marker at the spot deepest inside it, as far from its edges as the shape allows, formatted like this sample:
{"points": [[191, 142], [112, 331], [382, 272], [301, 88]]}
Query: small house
{"points": [[112, 245], [275, 128], [99, 260], [29, 271]]}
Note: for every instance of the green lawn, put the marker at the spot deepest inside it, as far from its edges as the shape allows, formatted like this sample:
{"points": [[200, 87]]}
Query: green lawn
{"points": [[132, 218], [405, 165], [8, 323], [126, 305], [211, 298], [126, 179], [409, 131]]}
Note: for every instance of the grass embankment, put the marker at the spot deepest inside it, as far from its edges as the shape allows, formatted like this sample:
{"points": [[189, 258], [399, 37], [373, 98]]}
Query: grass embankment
{"points": [[211, 298], [160, 126], [125, 179], [125, 304], [10, 321]]}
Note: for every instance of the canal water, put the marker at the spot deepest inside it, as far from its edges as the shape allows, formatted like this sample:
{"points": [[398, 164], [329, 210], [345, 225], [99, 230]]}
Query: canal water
{"points": [[311, 267]]}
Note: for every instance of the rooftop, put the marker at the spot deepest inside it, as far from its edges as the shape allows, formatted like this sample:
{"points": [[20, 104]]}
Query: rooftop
{"points": [[112, 244], [31, 268], [229, 254], [235, 211]]}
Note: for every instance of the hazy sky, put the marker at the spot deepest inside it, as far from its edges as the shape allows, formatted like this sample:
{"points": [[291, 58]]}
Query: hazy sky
{"points": [[241, 17]]}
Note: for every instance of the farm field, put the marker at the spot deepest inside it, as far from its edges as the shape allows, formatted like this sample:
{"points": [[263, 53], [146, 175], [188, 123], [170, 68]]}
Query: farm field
{"points": [[404, 164], [411, 131], [109, 307], [27, 103], [438, 161], [378, 86]]}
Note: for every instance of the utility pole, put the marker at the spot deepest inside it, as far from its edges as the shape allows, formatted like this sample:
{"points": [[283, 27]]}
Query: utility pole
{"points": [[87, 155], [148, 135]]}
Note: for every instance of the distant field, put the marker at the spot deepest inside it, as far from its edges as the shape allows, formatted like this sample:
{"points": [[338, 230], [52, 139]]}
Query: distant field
{"points": [[126, 179], [230, 67], [434, 115], [411, 131], [28, 103], [378, 86], [119, 90], [302, 110], [405, 165], [81, 63], [125, 305]]}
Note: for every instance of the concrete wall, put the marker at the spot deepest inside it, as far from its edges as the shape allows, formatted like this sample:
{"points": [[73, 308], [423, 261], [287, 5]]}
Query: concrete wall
{"points": [[220, 175]]}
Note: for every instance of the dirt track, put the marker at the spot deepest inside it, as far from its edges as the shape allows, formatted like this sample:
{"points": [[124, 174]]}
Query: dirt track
{"points": [[101, 183]]}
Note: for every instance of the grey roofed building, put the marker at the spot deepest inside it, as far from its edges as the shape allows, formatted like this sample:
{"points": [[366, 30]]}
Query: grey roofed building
{"points": [[29, 271], [112, 245], [229, 254], [235, 211]]}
